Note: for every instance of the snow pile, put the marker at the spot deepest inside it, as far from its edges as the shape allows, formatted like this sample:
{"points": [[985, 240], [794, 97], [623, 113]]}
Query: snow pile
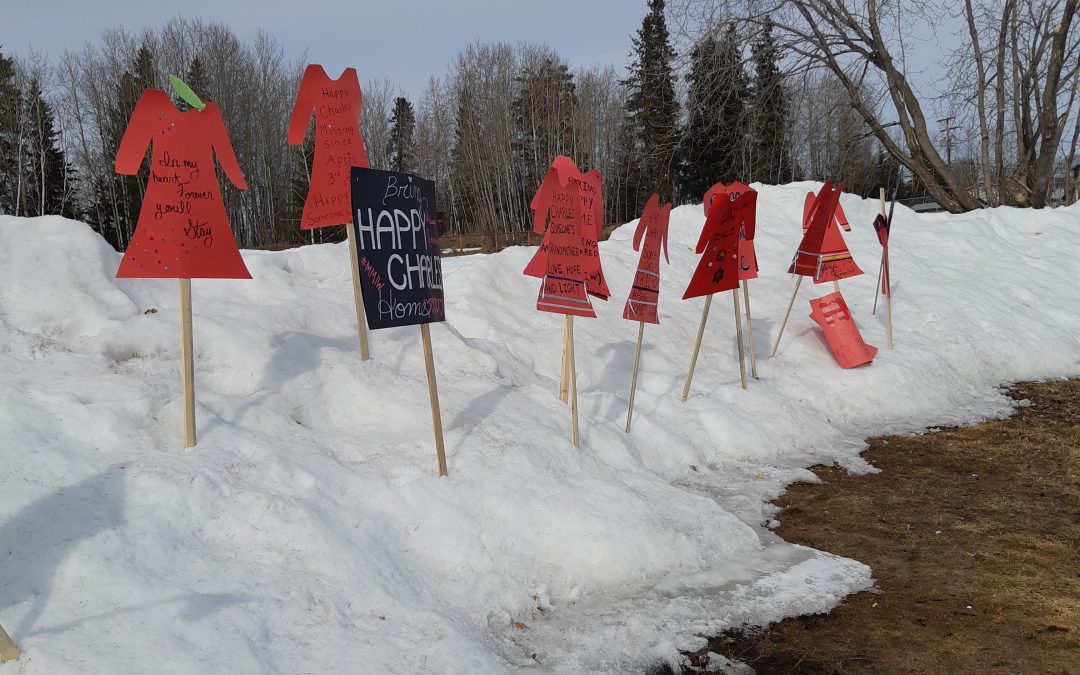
{"points": [[308, 531]]}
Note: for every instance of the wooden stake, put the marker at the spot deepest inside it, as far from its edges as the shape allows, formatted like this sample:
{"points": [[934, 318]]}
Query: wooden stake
{"points": [[8, 650], [633, 380], [888, 282], [787, 315], [836, 286], [881, 267], [187, 362], [358, 295], [888, 308], [564, 375], [877, 288], [433, 394], [697, 347], [749, 329], [738, 335], [573, 382]]}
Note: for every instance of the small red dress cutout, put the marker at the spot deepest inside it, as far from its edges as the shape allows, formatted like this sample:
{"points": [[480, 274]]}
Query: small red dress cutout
{"points": [[338, 144], [653, 229], [580, 249], [748, 264], [822, 254], [718, 269], [183, 231]]}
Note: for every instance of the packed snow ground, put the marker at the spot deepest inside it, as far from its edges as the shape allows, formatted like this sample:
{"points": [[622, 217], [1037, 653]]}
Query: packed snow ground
{"points": [[309, 532]]}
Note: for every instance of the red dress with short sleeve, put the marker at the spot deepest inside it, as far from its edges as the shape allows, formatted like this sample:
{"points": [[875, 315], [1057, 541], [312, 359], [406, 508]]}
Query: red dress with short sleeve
{"points": [[183, 231], [338, 144]]}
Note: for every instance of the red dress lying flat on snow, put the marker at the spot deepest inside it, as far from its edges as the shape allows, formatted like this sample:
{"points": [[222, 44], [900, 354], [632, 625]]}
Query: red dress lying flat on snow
{"points": [[338, 144], [183, 231]]}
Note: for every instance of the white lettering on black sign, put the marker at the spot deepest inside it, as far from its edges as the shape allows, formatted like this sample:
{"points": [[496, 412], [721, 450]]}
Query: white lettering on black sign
{"points": [[397, 246]]}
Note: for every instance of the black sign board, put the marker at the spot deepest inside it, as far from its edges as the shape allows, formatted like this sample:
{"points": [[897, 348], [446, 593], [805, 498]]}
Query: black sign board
{"points": [[397, 247]]}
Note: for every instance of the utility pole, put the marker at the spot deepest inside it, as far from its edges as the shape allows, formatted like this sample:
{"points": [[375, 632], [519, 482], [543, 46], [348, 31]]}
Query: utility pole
{"points": [[948, 137]]}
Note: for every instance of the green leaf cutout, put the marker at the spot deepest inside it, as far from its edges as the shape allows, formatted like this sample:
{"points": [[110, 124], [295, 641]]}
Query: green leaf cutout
{"points": [[186, 93]]}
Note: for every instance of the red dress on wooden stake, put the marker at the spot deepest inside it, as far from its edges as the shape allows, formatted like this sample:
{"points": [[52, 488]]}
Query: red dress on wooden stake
{"points": [[718, 269], [822, 254], [568, 258], [748, 264], [338, 144], [183, 231], [590, 229], [652, 229]]}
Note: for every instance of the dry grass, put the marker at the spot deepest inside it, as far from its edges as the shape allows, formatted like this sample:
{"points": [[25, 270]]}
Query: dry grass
{"points": [[973, 535]]}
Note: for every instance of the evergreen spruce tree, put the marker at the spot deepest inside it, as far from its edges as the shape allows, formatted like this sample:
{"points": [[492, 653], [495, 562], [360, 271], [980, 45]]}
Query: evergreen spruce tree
{"points": [[544, 116], [127, 191], [399, 147], [462, 164], [10, 121], [717, 100], [770, 113], [48, 175], [652, 107]]}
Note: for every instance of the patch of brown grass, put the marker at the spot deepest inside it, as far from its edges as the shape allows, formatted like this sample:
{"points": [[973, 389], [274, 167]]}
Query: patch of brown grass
{"points": [[973, 535]]}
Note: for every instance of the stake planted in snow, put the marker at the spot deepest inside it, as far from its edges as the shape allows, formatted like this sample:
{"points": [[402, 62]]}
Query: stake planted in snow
{"points": [[187, 362], [738, 336], [358, 295], [8, 650], [633, 380], [697, 346], [573, 381], [433, 394], [877, 287], [749, 329], [787, 315], [564, 374]]}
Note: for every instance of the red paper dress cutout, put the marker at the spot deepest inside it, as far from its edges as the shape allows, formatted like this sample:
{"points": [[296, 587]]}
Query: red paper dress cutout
{"points": [[748, 264], [653, 230], [845, 341], [839, 216], [590, 211], [183, 231], [822, 254], [338, 144], [565, 278], [718, 269]]}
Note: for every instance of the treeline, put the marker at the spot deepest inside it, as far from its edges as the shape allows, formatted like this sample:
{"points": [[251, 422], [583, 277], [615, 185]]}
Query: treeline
{"points": [[485, 131]]}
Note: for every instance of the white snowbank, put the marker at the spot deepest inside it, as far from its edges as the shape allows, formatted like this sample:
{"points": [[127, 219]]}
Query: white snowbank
{"points": [[308, 531]]}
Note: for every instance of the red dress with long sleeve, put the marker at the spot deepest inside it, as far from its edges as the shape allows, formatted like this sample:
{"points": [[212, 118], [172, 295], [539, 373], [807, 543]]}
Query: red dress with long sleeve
{"points": [[338, 144], [748, 264], [822, 253], [650, 236], [183, 231], [718, 269], [591, 210]]}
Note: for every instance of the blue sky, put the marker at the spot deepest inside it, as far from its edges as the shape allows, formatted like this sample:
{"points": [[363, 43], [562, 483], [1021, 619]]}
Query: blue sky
{"points": [[407, 40]]}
